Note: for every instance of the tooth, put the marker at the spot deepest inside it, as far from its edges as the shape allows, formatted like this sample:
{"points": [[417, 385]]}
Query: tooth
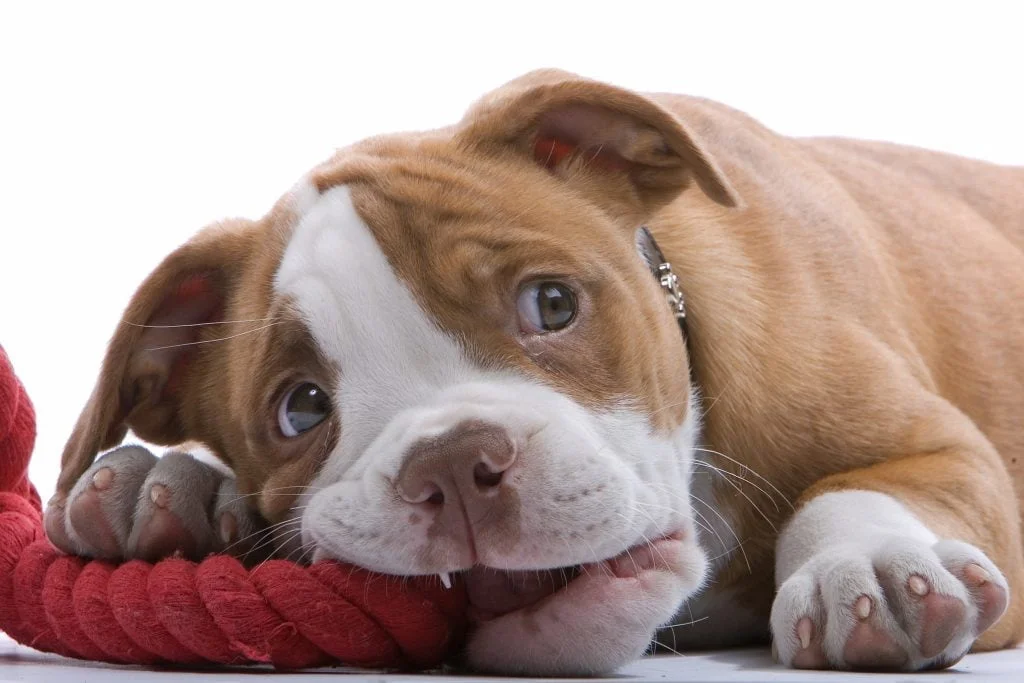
{"points": [[446, 579]]}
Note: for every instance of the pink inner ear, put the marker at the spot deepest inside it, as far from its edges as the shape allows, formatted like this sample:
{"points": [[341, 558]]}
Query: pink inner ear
{"points": [[192, 287], [192, 302], [168, 340], [595, 134], [549, 152]]}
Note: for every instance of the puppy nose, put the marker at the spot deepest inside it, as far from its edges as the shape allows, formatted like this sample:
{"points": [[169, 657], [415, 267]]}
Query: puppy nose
{"points": [[467, 463]]}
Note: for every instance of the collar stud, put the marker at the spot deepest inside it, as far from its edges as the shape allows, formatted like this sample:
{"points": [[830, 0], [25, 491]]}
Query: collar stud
{"points": [[650, 252]]}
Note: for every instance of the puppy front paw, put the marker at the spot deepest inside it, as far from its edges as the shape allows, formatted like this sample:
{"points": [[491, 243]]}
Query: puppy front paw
{"points": [[604, 618], [133, 505], [901, 605]]}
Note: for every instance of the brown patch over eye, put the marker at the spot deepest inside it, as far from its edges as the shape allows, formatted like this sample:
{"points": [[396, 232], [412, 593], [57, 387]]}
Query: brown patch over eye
{"points": [[290, 423], [469, 249]]}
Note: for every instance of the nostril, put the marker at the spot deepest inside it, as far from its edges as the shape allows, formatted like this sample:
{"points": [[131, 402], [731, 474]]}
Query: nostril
{"points": [[424, 493], [485, 477]]}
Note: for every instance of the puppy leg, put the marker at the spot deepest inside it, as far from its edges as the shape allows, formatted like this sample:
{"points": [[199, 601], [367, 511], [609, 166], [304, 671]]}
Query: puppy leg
{"points": [[132, 505], [904, 565]]}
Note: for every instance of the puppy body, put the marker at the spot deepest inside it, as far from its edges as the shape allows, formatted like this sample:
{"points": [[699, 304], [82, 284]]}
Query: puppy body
{"points": [[862, 309], [844, 412]]}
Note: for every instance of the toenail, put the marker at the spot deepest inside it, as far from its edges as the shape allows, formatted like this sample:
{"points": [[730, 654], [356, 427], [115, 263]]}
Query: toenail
{"points": [[57, 501], [863, 607], [228, 527], [159, 495], [803, 632], [976, 574], [917, 585], [103, 478]]}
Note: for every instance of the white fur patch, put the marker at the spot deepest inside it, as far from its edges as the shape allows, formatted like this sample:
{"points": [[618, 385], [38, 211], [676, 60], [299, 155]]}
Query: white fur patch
{"points": [[843, 518], [390, 354], [591, 483]]}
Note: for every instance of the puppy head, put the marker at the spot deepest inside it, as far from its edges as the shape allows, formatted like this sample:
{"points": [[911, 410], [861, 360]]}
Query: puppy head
{"points": [[448, 339]]}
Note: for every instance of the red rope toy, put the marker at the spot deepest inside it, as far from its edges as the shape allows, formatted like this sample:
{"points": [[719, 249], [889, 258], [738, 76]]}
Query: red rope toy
{"points": [[216, 611]]}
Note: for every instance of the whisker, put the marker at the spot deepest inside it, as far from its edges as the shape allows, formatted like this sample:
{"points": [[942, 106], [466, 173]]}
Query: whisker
{"points": [[280, 540], [749, 469], [266, 536], [689, 610], [728, 551], [301, 550], [707, 523], [670, 406], [269, 492], [206, 324], [702, 524], [726, 473], [210, 341], [325, 449], [593, 554], [687, 623], [259, 533], [565, 542], [711, 405], [647, 540], [749, 500], [729, 527]]}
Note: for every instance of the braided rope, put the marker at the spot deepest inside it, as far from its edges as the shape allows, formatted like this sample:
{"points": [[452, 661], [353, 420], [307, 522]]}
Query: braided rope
{"points": [[212, 612]]}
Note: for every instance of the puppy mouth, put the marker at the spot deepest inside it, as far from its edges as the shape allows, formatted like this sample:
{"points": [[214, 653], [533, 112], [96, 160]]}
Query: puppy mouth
{"points": [[494, 592]]}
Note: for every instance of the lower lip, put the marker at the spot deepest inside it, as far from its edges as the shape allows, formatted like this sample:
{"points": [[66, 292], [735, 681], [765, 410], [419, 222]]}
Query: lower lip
{"points": [[494, 592]]}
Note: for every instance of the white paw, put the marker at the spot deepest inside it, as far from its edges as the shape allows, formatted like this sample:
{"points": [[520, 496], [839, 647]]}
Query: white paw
{"points": [[132, 505], [899, 605], [603, 619]]}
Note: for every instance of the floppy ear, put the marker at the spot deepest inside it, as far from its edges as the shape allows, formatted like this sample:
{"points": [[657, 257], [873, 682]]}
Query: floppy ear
{"points": [[567, 123], [153, 351]]}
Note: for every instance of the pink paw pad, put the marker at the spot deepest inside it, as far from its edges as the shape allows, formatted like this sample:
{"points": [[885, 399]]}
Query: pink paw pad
{"points": [[89, 519], [990, 598], [163, 534], [869, 646], [942, 617]]}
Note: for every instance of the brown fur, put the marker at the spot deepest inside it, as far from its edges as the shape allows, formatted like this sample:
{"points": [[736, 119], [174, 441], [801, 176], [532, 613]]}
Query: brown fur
{"points": [[856, 308]]}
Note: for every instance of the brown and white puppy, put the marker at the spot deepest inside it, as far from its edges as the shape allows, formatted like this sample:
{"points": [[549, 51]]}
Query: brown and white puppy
{"points": [[441, 353]]}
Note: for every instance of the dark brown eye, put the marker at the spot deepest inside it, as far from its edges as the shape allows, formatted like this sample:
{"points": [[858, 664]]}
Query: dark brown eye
{"points": [[302, 408], [546, 306]]}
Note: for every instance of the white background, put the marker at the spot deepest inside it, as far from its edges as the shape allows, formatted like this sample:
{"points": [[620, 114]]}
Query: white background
{"points": [[124, 128]]}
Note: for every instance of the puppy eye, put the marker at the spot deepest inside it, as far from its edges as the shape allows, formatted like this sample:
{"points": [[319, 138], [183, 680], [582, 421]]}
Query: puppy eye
{"points": [[302, 408], [546, 306]]}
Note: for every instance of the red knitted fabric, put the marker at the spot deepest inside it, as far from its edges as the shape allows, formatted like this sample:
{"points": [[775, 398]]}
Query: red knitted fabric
{"points": [[216, 611]]}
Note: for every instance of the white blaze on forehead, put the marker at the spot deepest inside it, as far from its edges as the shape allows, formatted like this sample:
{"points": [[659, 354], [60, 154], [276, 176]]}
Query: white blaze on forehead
{"points": [[365, 320]]}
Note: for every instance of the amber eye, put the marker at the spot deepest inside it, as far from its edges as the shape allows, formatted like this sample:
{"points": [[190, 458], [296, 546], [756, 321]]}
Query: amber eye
{"points": [[546, 306], [305, 406]]}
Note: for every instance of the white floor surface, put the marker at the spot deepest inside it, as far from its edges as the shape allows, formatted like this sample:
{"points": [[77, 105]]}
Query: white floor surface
{"points": [[22, 664]]}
